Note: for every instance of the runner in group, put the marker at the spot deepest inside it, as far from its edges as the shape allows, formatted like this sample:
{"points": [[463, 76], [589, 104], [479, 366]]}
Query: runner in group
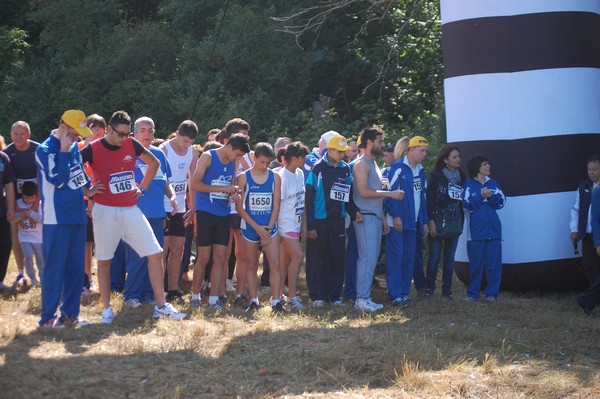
{"points": [[115, 213], [182, 160], [291, 222], [259, 207], [213, 181]]}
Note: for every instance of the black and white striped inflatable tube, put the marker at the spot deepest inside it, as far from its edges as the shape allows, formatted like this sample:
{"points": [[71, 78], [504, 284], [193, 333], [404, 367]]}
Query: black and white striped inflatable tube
{"points": [[522, 86]]}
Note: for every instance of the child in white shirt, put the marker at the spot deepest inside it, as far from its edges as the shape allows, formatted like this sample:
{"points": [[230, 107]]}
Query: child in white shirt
{"points": [[29, 220]]}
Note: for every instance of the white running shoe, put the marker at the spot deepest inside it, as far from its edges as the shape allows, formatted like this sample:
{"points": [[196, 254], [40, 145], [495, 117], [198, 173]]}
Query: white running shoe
{"points": [[318, 303], [133, 303], [229, 286], [167, 311], [296, 303], [107, 316], [375, 305], [365, 305], [339, 303]]}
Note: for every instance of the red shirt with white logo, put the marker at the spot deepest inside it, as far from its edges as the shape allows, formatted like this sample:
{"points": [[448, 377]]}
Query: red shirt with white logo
{"points": [[114, 167]]}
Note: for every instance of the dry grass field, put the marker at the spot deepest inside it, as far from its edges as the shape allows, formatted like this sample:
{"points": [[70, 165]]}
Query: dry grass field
{"points": [[520, 347]]}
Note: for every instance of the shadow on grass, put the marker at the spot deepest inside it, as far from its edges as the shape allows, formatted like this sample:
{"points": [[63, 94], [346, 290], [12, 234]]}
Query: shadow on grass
{"points": [[320, 352]]}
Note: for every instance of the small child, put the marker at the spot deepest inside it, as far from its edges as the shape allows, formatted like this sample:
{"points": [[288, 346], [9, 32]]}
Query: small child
{"points": [[29, 221]]}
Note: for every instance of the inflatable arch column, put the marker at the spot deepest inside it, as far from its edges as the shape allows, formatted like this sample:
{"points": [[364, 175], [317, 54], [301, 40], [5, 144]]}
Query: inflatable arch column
{"points": [[522, 86]]}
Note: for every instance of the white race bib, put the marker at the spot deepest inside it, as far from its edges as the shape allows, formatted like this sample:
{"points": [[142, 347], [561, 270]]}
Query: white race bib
{"points": [[417, 185], [454, 191], [179, 186], [219, 196], [260, 202], [20, 183], [299, 214], [76, 177], [121, 182], [340, 192]]}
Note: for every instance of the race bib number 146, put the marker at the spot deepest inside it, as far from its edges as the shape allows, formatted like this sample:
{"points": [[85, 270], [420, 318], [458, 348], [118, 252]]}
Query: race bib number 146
{"points": [[121, 182]]}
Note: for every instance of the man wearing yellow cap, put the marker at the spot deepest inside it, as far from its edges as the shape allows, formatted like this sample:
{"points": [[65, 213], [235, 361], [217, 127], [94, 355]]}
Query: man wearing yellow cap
{"points": [[408, 220], [63, 182], [327, 197]]}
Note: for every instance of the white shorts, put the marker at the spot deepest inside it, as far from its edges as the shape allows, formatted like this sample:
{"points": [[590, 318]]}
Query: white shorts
{"points": [[112, 224]]}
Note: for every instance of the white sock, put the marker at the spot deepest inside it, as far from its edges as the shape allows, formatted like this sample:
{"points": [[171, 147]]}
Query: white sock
{"points": [[195, 297], [255, 300], [212, 299]]}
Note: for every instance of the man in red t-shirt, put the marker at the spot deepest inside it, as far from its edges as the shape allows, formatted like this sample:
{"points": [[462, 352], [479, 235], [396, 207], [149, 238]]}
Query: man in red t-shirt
{"points": [[115, 213]]}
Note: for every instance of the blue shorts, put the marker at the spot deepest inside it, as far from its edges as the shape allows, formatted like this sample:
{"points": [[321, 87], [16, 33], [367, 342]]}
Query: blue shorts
{"points": [[249, 234]]}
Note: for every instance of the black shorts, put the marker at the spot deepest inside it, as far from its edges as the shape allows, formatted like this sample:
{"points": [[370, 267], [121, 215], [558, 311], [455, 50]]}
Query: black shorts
{"points": [[211, 229], [235, 221], [174, 225]]}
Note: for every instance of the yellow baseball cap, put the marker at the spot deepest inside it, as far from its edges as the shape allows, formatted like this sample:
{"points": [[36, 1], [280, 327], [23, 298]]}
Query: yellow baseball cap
{"points": [[418, 141], [77, 120], [339, 143]]}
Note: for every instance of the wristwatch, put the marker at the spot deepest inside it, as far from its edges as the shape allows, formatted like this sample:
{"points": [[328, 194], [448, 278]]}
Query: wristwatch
{"points": [[269, 230], [142, 190]]}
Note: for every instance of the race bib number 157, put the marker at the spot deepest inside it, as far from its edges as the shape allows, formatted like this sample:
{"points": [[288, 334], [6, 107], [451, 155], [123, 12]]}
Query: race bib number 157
{"points": [[340, 192]]}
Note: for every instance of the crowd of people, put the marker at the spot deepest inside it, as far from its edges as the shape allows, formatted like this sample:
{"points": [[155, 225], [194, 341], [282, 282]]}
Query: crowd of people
{"points": [[138, 203]]}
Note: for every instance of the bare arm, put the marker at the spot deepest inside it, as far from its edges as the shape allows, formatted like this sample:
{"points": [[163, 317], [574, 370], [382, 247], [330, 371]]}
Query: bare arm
{"points": [[191, 195], [199, 185], [153, 165], [361, 177], [11, 201]]}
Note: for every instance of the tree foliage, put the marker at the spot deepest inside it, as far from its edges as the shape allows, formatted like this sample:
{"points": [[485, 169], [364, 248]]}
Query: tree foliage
{"points": [[379, 62]]}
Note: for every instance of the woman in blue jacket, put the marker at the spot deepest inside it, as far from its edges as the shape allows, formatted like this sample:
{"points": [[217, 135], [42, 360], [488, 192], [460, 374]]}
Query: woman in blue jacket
{"points": [[482, 197]]}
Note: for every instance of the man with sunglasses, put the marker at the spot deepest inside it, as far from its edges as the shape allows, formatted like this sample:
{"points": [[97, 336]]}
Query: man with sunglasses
{"points": [[115, 213]]}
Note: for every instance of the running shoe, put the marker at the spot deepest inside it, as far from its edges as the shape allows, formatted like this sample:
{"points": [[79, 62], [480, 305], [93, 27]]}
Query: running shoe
{"points": [[278, 308], [167, 311], [318, 303], [240, 302], [216, 307], [107, 316], [20, 281], [52, 324], [195, 303], [339, 303], [175, 296], [133, 303], [296, 303], [365, 305], [253, 307], [75, 322], [229, 286]]}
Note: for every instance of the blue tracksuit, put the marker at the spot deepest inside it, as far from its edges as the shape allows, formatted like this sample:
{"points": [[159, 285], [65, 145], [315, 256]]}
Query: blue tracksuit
{"points": [[590, 298], [62, 180], [484, 236], [402, 247]]}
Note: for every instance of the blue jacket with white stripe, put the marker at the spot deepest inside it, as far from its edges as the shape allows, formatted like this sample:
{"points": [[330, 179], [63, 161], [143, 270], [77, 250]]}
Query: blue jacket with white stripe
{"points": [[62, 178], [401, 178], [484, 223]]}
